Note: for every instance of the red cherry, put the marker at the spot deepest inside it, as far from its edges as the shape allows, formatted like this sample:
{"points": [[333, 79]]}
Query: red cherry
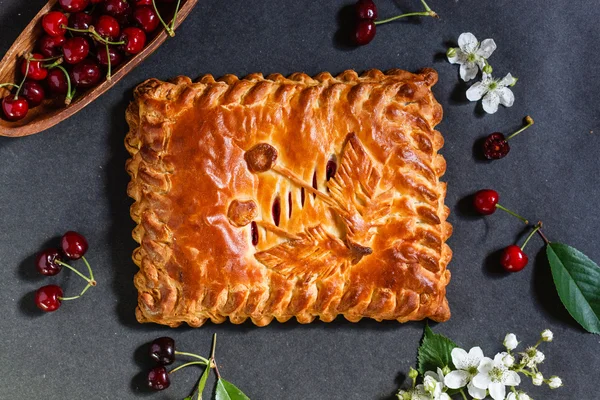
{"points": [[158, 378], [75, 49], [57, 81], [96, 1], [53, 23], [146, 18], [80, 20], [117, 8], [48, 298], [364, 32], [116, 58], [366, 9], [139, 3], [51, 46], [134, 39], [495, 146], [46, 262], [108, 27], [35, 71], [33, 92], [485, 201], [74, 245], [73, 6], [85, 74], [513, 258], [14, 109]]}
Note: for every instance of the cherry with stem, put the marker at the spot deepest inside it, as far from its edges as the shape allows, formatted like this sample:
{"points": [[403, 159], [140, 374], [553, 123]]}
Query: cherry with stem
{"points": [[486, 202], [427, 13], [496, 145]]}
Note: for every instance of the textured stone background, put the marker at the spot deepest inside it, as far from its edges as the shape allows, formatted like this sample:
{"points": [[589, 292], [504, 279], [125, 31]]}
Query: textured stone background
{"points": [[72, 177]]}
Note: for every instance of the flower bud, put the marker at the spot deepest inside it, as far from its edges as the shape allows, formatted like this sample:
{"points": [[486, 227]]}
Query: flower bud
{"points": [[537, 379], [451, 53], [508, 360], [547, 334], [555, 382], [446, 370], [413, 373], [523, 396], [510, 341], [487, 69], [514, 82]]}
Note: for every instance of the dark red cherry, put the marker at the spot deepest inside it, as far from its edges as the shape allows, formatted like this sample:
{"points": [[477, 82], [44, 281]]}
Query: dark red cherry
{"points": [[51, 46], [162, 350], [73, 6], [364, 32], [80, 20], [74, 245], [14, 109], [513, 258], [96, 1], [146, 18], [85, 74], [108, 27], [134, 39], [57, 81], [366, 9], [158, 378], [139, 3], [33, 92], [48, 298], [54, 22], [75, 49], [46, 262], [495, 146], [36, 71], [485, 201], [117, 8], [116, 58]]}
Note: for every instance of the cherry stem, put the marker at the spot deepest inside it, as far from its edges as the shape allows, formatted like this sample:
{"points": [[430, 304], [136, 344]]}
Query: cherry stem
{"points": [[8, 84], [70, 93], [427, 13], [87, 264], [181, 353], [54, 64], [514, 214], [175, 17], [44, 59], [108, 73], [69, 298], [529, 122], [187, 365], [213, 363], [167, 28], [90, 281], [24, 77], [537, 228], [544, 238], [91, 30]]}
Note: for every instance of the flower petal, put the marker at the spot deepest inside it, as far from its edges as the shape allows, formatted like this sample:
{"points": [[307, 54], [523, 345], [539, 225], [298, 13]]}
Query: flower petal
{"points": [[475, 93], [467, 42], [486, 48], [511, 396], [511, 378], [490, 102], [459, 58], [497, 391], [456, 379], [507, 80], [459, 358], [468, 71], [507, 98], [476, 392], [481, 380], [475, 356]]}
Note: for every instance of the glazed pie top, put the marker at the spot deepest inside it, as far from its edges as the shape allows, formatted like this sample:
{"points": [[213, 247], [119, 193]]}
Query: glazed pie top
{"points": [[280, 197]]}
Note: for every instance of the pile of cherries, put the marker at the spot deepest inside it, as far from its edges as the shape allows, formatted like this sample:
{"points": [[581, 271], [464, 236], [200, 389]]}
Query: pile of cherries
{"points": [[82, 40], [51, 261], [513, 257]]}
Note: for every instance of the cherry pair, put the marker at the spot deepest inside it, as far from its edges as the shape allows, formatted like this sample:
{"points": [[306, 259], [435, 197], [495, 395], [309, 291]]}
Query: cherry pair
{"points": [[51, 261], [513, 257]]}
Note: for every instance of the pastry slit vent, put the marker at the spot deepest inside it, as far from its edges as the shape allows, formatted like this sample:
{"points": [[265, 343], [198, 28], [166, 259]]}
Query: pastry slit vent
{"points": [[314, 184], [290, 205], [254, 233], [276, 211], [302, 197], [330, 169]]}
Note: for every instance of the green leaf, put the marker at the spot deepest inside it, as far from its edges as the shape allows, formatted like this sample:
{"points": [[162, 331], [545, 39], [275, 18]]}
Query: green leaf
{"points": [[202, 381], [228, 391], [577, 280], [434, 351]]}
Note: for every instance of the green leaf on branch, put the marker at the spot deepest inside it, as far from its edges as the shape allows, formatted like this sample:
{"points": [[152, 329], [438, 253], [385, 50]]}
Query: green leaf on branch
{"points": [[228, 391], [434, 351], [577, 280]]}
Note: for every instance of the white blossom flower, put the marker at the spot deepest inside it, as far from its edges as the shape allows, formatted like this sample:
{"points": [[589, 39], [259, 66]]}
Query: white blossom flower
{"points": [[493, 91], [507, 359], [510, 341], [418, 393], [532, 357], [434, 385], [555, 382], [537, 379], [471, 55], [466, 368], [547, 335], [495, 376], [518, 396]]}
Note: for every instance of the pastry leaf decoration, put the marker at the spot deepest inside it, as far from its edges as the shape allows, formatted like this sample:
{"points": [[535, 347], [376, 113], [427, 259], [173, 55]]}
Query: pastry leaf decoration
{"points": [[228, 391], [577, 280], [434, 352]]}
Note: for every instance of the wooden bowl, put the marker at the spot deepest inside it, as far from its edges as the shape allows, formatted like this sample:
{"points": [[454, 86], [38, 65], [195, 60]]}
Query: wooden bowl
{"points": [[52, 111]]}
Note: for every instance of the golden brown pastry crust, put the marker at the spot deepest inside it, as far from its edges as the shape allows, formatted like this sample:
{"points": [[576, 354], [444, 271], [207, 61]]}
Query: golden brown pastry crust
{"points": [[369, 241]]}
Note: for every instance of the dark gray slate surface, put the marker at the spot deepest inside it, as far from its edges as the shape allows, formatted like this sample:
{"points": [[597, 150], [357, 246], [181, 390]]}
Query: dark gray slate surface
{"points": [[72, 177]]}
